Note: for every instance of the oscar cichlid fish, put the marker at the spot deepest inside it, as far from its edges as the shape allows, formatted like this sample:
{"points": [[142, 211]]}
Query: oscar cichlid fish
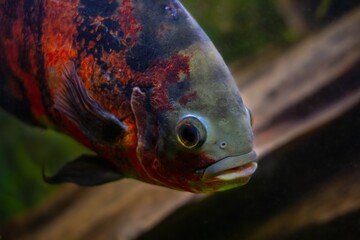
{"points": [[136, 81]]}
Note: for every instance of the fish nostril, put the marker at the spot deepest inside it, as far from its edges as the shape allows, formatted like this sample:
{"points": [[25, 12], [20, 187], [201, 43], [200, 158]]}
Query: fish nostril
{"points": [[223, 145]]}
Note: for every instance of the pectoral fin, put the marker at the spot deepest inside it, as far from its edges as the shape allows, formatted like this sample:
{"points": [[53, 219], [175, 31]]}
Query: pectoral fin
{"points": [[75, 103], [85, 171]]}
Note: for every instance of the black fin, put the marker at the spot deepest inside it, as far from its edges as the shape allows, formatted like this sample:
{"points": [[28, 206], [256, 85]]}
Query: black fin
{"points": [[85, 171], [85, 112]]}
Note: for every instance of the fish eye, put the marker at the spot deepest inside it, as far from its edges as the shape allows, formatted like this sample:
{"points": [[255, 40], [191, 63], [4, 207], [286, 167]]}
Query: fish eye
{"points": [[191, 132]]}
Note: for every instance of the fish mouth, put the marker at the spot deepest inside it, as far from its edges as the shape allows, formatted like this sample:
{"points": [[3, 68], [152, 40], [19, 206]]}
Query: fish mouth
{"points": [[232, 167]]}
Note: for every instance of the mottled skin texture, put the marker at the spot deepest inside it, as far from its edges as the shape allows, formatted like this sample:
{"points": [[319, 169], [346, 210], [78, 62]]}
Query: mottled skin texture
{"points": [[145, 63]]}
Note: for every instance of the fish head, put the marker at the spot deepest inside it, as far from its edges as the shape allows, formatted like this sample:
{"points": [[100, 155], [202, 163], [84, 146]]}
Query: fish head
{"points": [[202, 140], [206, 143]]}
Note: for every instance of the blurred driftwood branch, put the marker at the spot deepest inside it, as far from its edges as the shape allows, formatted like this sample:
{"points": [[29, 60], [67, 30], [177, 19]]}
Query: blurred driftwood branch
{"points": [[295, 94], [286, 93], [306, 16], [336, 198]]}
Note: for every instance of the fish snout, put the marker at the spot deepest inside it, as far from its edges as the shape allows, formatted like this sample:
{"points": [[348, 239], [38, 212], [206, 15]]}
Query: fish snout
{"points": [[231, 167]]}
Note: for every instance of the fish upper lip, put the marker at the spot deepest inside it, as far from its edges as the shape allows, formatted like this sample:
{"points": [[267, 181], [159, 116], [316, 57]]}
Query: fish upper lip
{"points": [[227, 163]]}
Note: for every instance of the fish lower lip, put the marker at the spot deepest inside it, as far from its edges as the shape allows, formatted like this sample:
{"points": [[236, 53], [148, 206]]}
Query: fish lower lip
{"points": [[242, 166]]}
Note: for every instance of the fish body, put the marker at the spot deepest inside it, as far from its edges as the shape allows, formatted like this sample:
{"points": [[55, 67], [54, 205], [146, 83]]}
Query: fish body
{"points": [[136, 81]]}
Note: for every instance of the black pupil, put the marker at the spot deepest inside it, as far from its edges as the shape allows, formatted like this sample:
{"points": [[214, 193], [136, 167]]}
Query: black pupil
{"points": [[189, 134]]}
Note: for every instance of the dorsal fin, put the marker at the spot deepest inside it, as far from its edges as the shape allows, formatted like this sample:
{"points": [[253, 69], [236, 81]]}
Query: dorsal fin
{"points": [[95, 122]]}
